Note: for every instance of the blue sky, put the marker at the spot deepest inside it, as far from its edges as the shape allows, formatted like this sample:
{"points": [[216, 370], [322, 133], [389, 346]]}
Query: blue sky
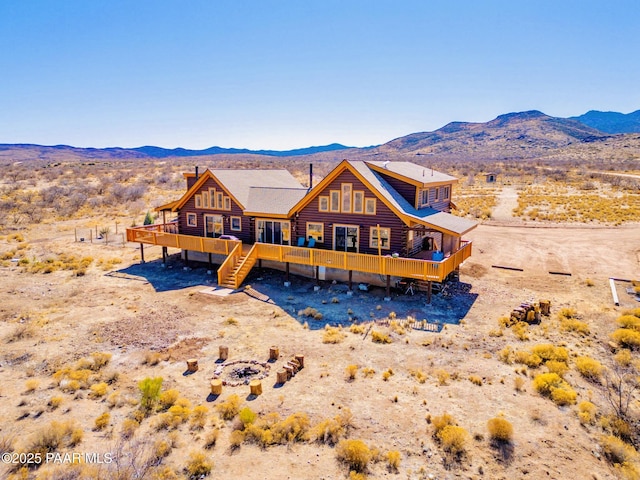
{"points": [[290, 73]]}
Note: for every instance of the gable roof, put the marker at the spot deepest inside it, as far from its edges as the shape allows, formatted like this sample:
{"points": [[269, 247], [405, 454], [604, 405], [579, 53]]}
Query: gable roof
{"points": [[391, 198], [238, 183], [273, 201], [411, 173]]}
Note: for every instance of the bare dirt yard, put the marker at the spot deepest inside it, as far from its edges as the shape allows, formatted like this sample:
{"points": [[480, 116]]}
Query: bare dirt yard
{"points": [[392, 396]]}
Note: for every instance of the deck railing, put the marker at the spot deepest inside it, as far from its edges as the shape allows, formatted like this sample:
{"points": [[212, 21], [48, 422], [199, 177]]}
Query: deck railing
{"points": [[229, 263], [384, 265]]}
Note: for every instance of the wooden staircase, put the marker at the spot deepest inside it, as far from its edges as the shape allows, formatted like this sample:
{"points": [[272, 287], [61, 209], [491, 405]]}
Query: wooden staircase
{"points": [[237, 267]]}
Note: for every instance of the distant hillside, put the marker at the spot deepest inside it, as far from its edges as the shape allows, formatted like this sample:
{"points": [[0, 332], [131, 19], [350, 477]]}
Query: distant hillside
{"points": [[158, 152], [611, 122], [514, 135]]}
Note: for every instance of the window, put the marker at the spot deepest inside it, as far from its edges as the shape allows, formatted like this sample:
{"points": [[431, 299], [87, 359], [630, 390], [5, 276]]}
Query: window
{"points": [[273, 231], [370, 206], [227, 203], [346, 197], [218, 200], [323, 204], [383, 237], [335, 200], [192, 220], [198, 201], [315, 230], [424, 197], [205, 199], [212, 196], [445, 195], [236, 224], [358, 202], [436, 195]]}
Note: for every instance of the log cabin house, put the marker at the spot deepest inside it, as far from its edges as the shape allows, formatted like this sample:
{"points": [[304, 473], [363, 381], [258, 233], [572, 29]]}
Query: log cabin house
{"points": [[381, 219]]}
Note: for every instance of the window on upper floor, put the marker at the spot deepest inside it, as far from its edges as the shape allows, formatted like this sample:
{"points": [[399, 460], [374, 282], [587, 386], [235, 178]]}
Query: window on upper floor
{"points": [[379, 235], [192, 220], [423, 198]]}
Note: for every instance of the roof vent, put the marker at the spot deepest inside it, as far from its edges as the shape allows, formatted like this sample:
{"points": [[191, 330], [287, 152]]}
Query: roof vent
{"points": [[385, 164]]}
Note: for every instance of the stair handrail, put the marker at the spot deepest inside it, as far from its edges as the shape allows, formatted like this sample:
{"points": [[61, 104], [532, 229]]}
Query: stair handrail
{"points": [[249, 260], [229, 263]]}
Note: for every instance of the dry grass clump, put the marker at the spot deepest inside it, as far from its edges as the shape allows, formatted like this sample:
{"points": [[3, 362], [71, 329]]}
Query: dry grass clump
{"points": [[587, 412], [98, 390], [54, 436], [168, 398], [443, 377], [270, 429], [311, 313], [589, 368], [386, 375], [631, 322], [393, 460], [529, 359], [454, 440], [62, 261], [575, 326], [379, 337], [620, 454], [22, 331], [149, 393], [419, 375], [554, 366], [476, 380], [351, 372], [397, 327], [198, 466], [553, 386], [500, 430], [151, 358], [31, 385], [128, 428], [230, 407], [547, 351], [55, 401], [355, 453], [627, 338], [521, 331], [518, 384], [331, 430], [357, 328], [199, 417], [211, 438], [333, 334], [368, 372], [102, 421], [567, 312]]}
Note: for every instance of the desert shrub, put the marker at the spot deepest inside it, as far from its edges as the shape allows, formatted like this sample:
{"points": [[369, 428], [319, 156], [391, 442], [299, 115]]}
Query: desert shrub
{"points": [[567, 313], [627, 338], [419, 375], [99, 360], [368, 372], [329, 431], [102, 421], [393, 460], [623, 357], [476, 380], [128, 428], [506, 355], [99, 389], [453, 439], [168, 398], [631, 322], [573, 325], [351, 372], [211, 438], [198, 466], [442, 376], [518, 384], [310, 312], [547, 352], [553, 386], [246, 416], [379, 337], [554, 366], [55, 401], [440, 422], [229, 408], [31, 385], [355, 453], [500, 430], [521, 330], [589, 368], [529, 359], [294, 428], [333, 335], [54, 436], [199, 417], [587, 413], [151, 358], [357, 328], [617, 451], [396, 327], [386, 375], [149, 392]]}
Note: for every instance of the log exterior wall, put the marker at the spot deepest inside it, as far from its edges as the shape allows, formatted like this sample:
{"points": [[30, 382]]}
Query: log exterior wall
{"points": [[384, 217]]}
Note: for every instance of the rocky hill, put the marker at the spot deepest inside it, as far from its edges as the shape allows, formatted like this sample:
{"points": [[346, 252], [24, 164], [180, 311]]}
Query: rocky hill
{"points": [[611, 122]]}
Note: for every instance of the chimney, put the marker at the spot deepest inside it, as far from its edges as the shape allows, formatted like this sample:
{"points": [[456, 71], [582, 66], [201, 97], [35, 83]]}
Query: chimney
{"points": [[196, 172], [310, 176]]}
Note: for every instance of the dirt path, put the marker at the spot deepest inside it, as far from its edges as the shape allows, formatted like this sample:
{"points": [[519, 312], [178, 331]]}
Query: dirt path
{"points": [[507, 201]]}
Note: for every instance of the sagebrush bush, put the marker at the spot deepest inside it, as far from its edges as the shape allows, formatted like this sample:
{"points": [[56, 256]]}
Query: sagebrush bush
{"points": [[393, 459], [230, 407], [547, 351], [102, 421], [54, 436], [198, 466], [99, 389], [617, 451], [149, 392], [439, 422], [476, 380], [627, 338], [168, 398], [589, 368], [629, 321], [573, 325], [554, 366], [357, 328], [333, 335], [500, 430], [351, 372], [329, 431], [529, 359], [379, 337], [128, 428], [553, 386], [454, 439], [211, 438], [355, 453], [247, 416], [199, 417], [587, 413]]}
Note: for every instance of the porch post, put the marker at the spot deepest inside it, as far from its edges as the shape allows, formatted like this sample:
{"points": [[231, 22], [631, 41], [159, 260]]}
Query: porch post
{"points": [[186, 258], [350, 280], [317, 268], [388, 286], [429, 292], [164, 255], [142, 253], [210, 262], [287, 274]]}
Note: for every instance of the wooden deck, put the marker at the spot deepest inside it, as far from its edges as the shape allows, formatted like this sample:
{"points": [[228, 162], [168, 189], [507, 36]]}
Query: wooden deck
{"points": [[240, 260]]}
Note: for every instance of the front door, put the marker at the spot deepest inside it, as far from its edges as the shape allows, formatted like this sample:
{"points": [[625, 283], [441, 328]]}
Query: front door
{"points": [[213, 226], [346, 238]]}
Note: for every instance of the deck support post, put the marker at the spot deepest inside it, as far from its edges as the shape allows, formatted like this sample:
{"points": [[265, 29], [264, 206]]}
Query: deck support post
{"points": [[142, 253], [260, 263], [210, 262], [388, 286], [317, 274], [350, 280], [429, 292], [164, 255], [186, 258], [287, 272]]}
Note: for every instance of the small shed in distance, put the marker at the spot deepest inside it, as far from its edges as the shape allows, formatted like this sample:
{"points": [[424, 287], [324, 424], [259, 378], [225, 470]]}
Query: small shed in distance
{"points": [[491, 177]]}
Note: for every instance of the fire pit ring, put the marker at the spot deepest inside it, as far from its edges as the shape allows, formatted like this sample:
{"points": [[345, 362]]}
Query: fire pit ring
{"points": [[243, 373]]}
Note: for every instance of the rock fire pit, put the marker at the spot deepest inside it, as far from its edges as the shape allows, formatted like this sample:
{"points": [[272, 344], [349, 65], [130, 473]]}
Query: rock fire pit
{"points": [[241, 372]]}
